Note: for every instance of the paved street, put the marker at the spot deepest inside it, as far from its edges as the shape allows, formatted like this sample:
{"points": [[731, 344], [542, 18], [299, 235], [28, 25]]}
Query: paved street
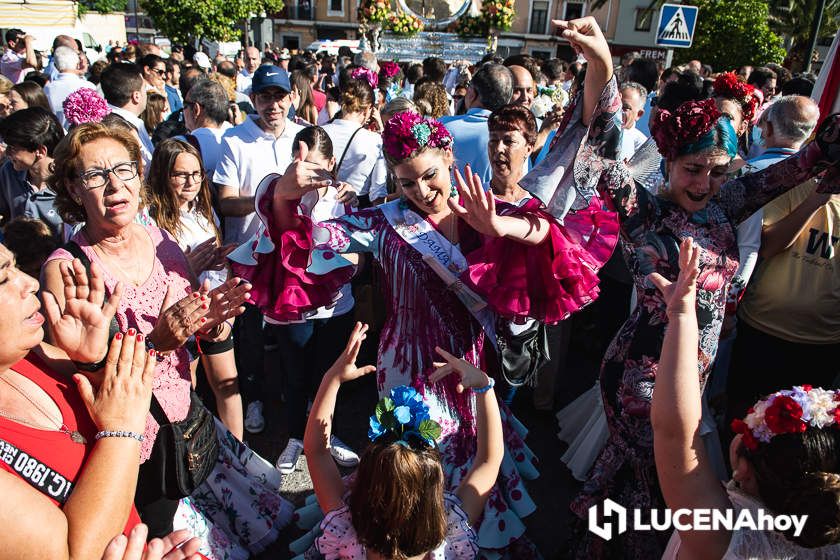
{"points": [[552, 491]]}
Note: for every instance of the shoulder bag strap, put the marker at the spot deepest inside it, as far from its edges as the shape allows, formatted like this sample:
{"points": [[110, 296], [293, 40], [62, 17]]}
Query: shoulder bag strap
{"points": [[346, 148]]}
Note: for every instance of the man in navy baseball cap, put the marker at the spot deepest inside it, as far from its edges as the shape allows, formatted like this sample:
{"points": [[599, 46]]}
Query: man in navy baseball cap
{"points": [[268, 76]]}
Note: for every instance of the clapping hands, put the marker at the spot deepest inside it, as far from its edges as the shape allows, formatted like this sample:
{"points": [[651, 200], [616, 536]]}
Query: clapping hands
{"points": [[81, 329]]}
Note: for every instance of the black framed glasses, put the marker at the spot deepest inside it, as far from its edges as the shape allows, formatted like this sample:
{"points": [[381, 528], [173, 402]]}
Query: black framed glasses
{"points": [[97, 178], [183, 177], [159, 71]]}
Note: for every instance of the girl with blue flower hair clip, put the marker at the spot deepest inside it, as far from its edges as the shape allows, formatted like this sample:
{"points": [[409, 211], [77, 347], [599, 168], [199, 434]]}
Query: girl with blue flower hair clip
{"points": [[397, 506]]}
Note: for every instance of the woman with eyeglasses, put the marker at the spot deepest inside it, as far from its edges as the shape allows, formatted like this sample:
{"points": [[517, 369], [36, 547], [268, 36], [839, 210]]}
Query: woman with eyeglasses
{"points": [[97, 179], [181, 204]]}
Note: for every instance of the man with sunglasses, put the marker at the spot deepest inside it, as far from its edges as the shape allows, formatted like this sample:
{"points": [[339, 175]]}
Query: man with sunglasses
{"points": [[250, 151], [66, 62], [19, 55]]}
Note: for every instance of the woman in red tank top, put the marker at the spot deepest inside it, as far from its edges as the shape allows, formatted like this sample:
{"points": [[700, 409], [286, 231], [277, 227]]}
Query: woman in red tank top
{"points": [[62, 442]]}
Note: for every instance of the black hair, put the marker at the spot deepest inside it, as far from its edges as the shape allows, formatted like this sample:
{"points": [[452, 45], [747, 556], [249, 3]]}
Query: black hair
{"points": [[316, 139], [643, 71], [31, 128], [798, 86], [434, 68], [119, 82], [13, 33]]}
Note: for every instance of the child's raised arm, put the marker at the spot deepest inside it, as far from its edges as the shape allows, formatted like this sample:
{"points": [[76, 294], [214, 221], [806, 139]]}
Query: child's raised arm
{"points": [[326, 479], [685, 473], [476, 485]]}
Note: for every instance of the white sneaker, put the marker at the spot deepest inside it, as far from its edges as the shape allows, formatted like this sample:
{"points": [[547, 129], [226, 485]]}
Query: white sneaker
{"points": [[342, 453], [288, 459], [254, 421]]}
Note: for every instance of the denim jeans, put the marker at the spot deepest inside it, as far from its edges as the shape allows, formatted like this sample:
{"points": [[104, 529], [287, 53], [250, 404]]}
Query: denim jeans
{"points": [[307, 350]]}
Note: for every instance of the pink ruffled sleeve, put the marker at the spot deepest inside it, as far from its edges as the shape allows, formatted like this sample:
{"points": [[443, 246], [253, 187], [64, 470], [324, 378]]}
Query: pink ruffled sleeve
{"points": [[549, 281], [291, 273]]}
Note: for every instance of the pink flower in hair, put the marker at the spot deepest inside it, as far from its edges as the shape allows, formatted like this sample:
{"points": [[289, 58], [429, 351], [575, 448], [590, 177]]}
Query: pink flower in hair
{"points": [[408, 132], [389, 69], [84, 105], [362, 73]]}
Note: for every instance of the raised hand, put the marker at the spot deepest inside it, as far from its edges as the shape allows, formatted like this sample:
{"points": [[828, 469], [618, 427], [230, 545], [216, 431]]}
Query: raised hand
{"points": [[301, 176], [477, 207], [81, 328], [177, 545], [471, 376], [681, 296], [121, 402], [345, 369], [586, 38]]}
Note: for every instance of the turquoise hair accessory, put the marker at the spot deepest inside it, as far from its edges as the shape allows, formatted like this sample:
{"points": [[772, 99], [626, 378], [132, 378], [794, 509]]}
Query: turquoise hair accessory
{"points": [[421, 132], [404, 414], [721, 134]]}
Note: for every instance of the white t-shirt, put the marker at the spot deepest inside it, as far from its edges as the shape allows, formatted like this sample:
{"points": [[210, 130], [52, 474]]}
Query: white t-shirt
{"points": [[243, 81], [195, 229], [249, 154], [210, 141], [364, 165], [631, 140]]}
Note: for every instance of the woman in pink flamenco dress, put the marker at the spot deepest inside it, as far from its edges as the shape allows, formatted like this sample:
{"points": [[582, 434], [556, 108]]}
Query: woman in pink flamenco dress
{"points": [[454, 260]]}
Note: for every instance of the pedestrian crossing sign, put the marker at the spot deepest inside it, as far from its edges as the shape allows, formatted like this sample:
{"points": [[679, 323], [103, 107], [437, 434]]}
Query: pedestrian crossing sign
{"points": [[676, 25]]}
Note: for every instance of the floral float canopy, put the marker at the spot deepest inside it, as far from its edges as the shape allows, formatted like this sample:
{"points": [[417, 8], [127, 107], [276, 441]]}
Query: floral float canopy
{"points": [[435, 14]]}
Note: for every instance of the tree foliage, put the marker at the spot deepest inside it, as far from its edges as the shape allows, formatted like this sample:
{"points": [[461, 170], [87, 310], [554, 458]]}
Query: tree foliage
{"points": [[216, 20], [732, 33], [102, 6], [793, 20]]}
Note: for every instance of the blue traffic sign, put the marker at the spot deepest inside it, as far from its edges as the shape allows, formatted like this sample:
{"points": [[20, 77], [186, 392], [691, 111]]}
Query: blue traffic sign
{"points": [[676, 25]]}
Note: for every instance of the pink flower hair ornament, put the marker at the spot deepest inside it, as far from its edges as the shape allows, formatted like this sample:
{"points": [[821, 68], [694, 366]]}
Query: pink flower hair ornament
{"points": [[788, 412], [407, 133], [389, 69], [84, 105], [365, 75]]}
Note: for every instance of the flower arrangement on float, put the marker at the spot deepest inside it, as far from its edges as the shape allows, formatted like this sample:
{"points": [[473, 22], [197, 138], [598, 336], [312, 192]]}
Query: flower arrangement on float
{"points": [[405, 25], [374, 11], [498, 14]]}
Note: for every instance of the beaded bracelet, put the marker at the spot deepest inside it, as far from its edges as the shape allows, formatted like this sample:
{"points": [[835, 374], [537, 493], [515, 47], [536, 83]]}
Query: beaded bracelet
{"points": [[119, 433], [487, 388]]}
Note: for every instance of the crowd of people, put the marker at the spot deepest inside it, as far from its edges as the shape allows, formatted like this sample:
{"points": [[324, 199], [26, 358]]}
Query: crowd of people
{"points": [[170, 215]]}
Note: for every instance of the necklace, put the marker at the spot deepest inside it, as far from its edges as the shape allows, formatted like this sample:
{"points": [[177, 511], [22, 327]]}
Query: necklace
{"points": [[61, 426], [114, 261]]}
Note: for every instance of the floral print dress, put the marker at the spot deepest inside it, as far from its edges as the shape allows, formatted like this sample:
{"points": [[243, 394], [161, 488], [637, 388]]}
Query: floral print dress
{"points": [[652, 229]]}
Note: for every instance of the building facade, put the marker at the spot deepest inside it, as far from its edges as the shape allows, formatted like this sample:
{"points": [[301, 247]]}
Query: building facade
{"points": [[628, 25]]}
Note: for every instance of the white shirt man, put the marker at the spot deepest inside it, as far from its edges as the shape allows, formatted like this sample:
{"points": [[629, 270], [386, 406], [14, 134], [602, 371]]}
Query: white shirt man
{"points": [[633, 98], [205, 111], [125, 91], [68, 80], [250, 151], [246, 75]]}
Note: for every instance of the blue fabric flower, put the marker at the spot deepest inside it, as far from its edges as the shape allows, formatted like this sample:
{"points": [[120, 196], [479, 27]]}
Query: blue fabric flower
{"points": [[375, 429], [421, 133], [402, 414]]}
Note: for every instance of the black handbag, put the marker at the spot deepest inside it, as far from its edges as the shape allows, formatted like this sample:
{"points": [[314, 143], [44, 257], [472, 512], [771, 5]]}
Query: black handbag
{"points": [[522, 355], [184, 452]]}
